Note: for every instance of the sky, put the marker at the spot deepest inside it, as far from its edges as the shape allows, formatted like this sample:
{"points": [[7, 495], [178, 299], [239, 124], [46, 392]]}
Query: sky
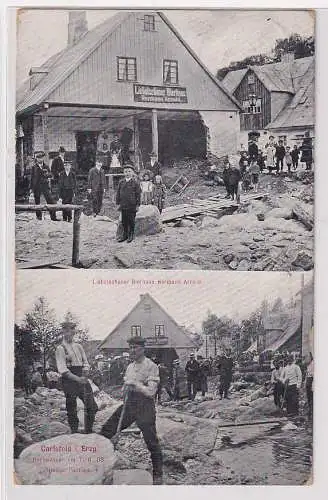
{"points": [[100, 307], [217, 36]]}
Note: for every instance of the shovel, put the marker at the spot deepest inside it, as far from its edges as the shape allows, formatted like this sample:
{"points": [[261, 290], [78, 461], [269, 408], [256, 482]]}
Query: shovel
{"points": [[115, 438]]}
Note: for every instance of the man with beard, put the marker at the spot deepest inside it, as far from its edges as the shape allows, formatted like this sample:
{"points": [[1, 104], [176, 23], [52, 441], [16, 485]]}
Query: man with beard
{"points": [[73, 366], [140, 386]]}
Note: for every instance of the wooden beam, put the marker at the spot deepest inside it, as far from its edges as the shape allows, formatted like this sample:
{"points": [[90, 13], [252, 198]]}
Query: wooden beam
{"points": [[45, 207], [76, 238], [154, 131], [45, 134]]}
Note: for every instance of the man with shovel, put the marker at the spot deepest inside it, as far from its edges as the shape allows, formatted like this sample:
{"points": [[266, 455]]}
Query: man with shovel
{"points": [[140, 386]]}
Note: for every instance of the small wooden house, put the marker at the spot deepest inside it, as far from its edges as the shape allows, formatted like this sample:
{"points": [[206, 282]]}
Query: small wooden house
{"points": [[165, 339], [132, 76], [277, 99]]}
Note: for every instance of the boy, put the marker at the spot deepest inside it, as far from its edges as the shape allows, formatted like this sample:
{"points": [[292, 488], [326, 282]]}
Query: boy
{"points": [[128, 201], [295, 156], [288, 158], [96, 186], [254, 170], [66, 189], [280, 155]]}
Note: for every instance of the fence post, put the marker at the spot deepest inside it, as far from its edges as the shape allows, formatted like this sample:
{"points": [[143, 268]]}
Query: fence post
{"points": [[76, 237]]}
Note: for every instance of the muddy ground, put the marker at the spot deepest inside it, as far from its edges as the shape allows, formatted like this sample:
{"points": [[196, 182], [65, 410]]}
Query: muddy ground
{"points": [[232, 242], [196, 450]]}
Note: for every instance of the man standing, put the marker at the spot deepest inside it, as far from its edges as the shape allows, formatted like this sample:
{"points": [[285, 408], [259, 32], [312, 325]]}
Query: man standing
{"points": [[73, 366], [291, 377], [40, 178], [154, 165], [96, 186], [233, 178], [57, 165], [67, 189], [192, 370], [128, 201], [225, 367], [140, 386], [280, 155]]}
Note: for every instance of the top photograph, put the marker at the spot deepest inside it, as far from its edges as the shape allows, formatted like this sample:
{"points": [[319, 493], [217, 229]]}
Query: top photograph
{"points": [[175, 139]]}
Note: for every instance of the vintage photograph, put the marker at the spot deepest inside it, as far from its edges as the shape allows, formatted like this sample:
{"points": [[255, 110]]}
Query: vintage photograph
{"points": [[174, 139], [193, 379]]}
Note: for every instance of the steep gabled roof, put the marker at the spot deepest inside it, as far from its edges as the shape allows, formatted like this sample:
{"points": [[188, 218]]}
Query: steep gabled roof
{"points": [[62, 64], [233, 79], [147, 296]]}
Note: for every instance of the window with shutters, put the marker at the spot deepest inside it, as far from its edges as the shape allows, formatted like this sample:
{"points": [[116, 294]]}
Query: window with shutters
{"points": [[126, 69], [170, 72], [135, 331]]}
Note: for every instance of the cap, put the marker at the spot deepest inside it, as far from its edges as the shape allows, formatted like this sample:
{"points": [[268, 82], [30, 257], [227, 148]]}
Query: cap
{"points": [[136, 341], [39, 155], [176, 361], [68, 324], [129, 165], [62, 149], [192, 355]]}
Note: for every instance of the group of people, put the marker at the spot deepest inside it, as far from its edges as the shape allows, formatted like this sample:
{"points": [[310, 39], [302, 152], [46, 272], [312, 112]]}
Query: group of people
{"points": [[287, 378]]}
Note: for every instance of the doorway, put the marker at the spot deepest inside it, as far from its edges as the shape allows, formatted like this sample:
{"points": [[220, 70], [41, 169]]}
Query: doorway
{"points": [[86, 148]]}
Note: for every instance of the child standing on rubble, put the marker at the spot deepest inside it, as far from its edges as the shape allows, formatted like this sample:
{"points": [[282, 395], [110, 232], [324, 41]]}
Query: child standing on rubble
{"points": [[146, 189], [159, 193], [254, 170]]}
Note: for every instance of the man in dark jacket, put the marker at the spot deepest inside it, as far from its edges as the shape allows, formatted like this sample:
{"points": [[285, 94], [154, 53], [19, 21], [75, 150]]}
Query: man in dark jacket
{"points": [[280, 155], [233, 177], [225, 366], [57, 165], [96, 186], [40, 177], [67, 189], [192, 371], [306, 148], [154, 166], [128, 201]]}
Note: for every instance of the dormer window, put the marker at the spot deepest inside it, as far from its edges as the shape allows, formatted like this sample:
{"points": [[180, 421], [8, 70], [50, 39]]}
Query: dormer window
{"points": [[149, 22]]}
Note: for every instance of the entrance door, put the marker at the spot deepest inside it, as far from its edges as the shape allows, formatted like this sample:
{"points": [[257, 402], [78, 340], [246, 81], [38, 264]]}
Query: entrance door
{"points": [[145, 140], [86, 147]]}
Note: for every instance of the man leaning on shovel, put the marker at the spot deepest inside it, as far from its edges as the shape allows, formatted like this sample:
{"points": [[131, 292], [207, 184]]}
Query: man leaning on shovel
{"points": [[140, 386]]}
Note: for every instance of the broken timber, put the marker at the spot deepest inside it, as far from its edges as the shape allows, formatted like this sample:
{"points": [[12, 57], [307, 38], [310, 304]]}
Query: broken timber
{"points": [[58, 208], [198, 207]]}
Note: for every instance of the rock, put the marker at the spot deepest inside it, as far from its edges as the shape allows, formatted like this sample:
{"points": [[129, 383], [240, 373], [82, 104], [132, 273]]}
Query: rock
{"points": [[243, 265], [228, 257], [209, 221], [132, 476], [173, 462], [261, 408], [289, 427], [23, 436], [42, 391], [203, 244], [281, 225], [54, 429], [125, 258], [186, 223], [148, 220], [87, 263], [303, 260], [70, 459], [54, 234], [36, 398], [281, 213], [258, 237], [233, 265], [260, 217], [260, 393]]}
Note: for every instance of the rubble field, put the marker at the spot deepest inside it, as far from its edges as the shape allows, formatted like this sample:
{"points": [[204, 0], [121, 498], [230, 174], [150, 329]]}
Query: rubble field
{"points": [[206, 441], [272, 233]]}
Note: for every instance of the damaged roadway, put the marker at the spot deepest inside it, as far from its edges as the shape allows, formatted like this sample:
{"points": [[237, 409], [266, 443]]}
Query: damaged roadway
{"points": [[272, 233]]}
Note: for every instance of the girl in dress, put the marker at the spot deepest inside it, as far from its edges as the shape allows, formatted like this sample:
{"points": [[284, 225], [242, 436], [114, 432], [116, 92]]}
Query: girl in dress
{"points": [[270, 154], [146, 189], [159, 193]]}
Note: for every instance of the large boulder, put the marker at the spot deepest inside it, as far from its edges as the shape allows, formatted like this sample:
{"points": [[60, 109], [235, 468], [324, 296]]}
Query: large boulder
{"points": [[259, 409], [69, 459], [148, 220], [132, 477], [53, 429]]}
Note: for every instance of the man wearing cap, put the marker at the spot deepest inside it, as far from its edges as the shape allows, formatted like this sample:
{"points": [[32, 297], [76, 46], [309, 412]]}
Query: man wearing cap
{"points": [[140, 386], [192, 371], [57, 165], [67, 189], [73, 366], [39, 184], [154, 165], [97, 185], [128, 201]]}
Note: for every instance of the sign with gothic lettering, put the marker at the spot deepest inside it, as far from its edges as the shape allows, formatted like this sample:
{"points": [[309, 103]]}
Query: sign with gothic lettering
{"points": [[155, 93], [156, 341]]}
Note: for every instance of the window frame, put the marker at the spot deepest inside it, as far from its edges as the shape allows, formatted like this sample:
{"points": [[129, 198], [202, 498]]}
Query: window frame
{"points": [[159, 331], [248, 110], [126, 59], [137, 330], [177, 71], [150, 22]]}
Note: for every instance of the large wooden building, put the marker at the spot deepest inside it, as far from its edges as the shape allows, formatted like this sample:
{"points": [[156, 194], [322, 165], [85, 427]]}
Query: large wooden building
{"points": [[133, 75], [165, 339], [276, 98]]}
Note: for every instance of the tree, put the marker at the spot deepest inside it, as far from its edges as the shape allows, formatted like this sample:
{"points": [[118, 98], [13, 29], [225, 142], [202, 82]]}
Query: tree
{"points": [[25, 353], [251, 329], [295, 43], [218, 330], [44, 330]]}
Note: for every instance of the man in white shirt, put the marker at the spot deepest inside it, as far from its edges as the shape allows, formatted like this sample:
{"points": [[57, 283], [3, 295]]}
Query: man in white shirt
{"points": [[140, 386], [73, 366], [291, 377]]}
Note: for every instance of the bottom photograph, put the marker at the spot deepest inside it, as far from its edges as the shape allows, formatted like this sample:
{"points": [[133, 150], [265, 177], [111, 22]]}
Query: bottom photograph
{"points": [[163, 378]]}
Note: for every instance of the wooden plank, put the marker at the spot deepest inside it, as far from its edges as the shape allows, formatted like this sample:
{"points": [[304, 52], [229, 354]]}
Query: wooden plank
{"points": [[44, 207], [37, 264]]}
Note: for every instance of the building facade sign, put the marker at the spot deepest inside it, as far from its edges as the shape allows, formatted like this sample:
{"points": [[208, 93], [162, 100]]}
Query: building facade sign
{"points": [[150, 341], [154, 93]]}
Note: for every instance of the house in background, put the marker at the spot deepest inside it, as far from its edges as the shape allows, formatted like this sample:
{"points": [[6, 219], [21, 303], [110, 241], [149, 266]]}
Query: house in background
{"points": [[134, 76], [165, 339], [277, 99]]}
